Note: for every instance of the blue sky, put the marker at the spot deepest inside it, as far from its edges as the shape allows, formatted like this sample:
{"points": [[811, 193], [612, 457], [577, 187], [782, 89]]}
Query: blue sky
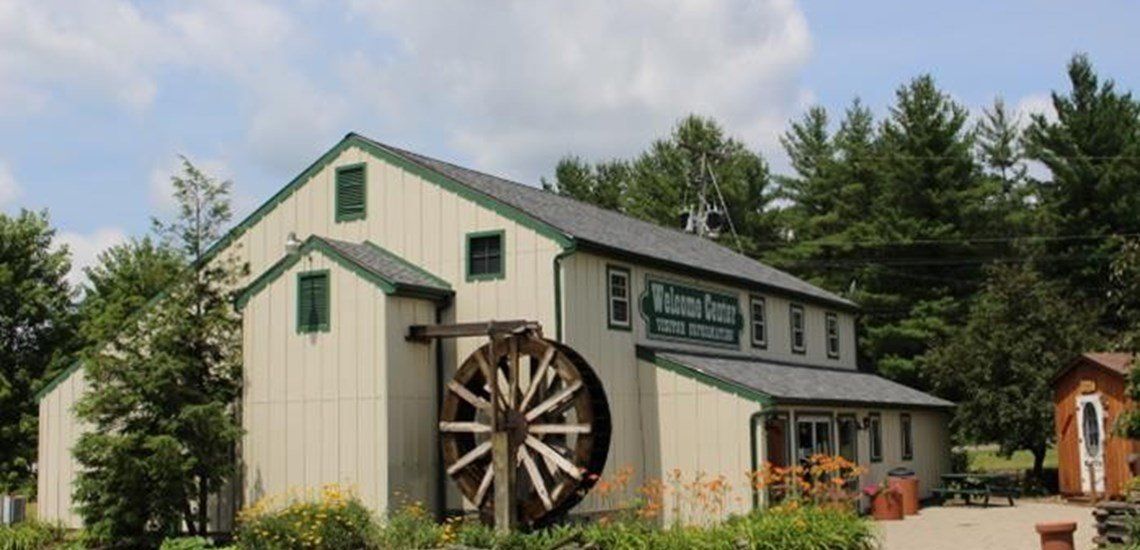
{"points": [[98, 97]]}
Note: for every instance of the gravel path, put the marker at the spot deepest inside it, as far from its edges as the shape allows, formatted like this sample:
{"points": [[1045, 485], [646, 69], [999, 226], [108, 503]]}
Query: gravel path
{"points": [[956, 527]]}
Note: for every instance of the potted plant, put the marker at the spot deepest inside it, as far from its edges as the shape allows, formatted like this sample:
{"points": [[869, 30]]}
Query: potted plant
{"points": [[886, 501]]}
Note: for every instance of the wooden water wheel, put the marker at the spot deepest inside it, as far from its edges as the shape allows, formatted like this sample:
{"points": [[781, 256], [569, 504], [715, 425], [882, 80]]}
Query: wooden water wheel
{"points": [[552, 406]]}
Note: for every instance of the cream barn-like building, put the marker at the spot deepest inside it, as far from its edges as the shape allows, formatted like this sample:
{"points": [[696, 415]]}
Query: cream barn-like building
{"points": [[711, 362]]}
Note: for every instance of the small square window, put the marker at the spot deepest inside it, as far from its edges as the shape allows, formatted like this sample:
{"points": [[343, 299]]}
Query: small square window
{"points": [[617, 296], [485, 256], [313, 301], [799, 339], [907, 437], [833, 335], [759, 322]]}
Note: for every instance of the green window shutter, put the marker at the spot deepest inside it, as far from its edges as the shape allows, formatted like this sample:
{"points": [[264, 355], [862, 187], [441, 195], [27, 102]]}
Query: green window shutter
{"points": [[351, 193], [313, 301]]}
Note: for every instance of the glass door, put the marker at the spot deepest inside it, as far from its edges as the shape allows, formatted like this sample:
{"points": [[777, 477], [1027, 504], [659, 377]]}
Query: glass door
{"points": [[813, 436]]}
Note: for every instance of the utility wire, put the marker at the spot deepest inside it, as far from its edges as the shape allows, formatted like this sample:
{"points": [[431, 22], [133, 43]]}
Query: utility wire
{"points": [[827, 241]]}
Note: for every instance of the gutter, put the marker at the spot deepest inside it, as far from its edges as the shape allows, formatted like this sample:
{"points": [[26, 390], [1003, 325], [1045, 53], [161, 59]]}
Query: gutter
{"points": [[440, 474], [757, 419], [566, 253]]}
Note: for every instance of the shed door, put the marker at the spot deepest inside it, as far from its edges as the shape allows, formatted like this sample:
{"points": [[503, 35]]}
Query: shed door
{"points": [[1090, 432]]}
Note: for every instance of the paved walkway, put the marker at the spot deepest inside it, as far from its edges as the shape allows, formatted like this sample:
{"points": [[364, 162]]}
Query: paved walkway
{"points": [[956, 527]]}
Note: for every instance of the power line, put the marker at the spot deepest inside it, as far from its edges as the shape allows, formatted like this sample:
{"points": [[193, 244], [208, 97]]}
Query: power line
{"points": [[827, 241]]}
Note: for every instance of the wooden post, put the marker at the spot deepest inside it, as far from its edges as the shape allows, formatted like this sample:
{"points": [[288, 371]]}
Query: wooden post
{"points": [[501, 453]]}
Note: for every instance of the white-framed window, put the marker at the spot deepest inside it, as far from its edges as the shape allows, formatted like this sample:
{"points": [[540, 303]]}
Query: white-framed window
{"points": [[876, 438], [907, 437], [759, 318], [799, 338], [832, 335], [617, 297]]}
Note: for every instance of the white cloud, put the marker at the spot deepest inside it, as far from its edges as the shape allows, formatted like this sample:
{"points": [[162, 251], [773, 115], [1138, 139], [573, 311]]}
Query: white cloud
{"points": [[516, 84], [1036, 104], [9, 189], [85, 249], [114, 49]]}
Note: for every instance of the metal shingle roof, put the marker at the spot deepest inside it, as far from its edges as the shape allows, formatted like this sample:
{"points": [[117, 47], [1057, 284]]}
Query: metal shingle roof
{"points": [[790, 383], [613, 230]]}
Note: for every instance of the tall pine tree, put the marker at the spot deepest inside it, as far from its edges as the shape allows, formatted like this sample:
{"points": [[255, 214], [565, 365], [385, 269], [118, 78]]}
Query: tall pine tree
{"points": [[931, 201], [1092, 151]]}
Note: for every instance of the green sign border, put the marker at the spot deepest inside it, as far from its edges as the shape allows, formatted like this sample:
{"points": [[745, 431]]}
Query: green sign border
{"points": [[651, 335]]}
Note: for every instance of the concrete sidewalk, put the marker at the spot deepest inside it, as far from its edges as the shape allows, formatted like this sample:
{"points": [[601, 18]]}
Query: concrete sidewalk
{"points": [[957, 527]]}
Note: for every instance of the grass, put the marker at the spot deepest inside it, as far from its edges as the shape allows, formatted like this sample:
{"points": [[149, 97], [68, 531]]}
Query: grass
{"points": [[986, 459]]}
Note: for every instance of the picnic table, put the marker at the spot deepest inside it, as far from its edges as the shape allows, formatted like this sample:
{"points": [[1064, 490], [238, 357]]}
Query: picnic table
{"points": [[968, 486]]}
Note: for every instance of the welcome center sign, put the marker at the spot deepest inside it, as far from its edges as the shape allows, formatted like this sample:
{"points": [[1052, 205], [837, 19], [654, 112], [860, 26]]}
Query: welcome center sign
{"points": [[674, 311]]}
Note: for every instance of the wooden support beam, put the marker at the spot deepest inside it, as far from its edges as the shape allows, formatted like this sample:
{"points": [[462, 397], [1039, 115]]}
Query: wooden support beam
{"points": [[426, 333]]}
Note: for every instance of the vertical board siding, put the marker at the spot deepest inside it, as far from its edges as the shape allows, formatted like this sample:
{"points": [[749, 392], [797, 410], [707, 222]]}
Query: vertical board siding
{"points": [[691, 429], [319, 426], [1066, 390], [585, 302], [59, 431], [930, 430]]}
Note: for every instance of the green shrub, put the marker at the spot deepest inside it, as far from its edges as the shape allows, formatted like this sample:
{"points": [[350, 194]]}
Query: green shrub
{"points": [[32, 535], [334, 520], [186, 543], [804, 528], [413, 528]]}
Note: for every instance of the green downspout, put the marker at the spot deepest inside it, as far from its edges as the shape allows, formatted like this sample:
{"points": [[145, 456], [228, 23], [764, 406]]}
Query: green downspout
{"points": [[756, 419], [566, 253]]}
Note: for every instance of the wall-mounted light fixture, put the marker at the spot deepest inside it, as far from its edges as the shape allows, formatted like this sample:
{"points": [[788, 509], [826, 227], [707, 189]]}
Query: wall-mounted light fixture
{"points": [[867, 422], [292, 244]]}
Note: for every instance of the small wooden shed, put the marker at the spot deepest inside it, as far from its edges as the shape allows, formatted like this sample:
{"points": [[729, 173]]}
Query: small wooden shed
{"points": [[1089, 395]]}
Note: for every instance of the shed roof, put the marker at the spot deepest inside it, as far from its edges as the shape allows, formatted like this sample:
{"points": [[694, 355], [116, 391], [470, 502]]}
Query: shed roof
{"points": [[393, 274], [1115, 362], [785, 383]]}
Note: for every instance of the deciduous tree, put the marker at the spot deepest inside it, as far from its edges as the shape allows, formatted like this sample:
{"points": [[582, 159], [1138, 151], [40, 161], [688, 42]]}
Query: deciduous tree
{"points": [[37, 328], [163, 391]]}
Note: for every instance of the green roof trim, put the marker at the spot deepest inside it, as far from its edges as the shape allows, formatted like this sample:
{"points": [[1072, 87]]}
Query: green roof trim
{"points": [[59, 379], [386, 284], [648, 355], [355, 140]]}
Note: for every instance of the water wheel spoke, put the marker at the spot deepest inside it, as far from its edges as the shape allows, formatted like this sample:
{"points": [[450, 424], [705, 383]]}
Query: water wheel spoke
{"points": [[466, 395], [560, 429], [513, 369], [484, 366], [480, 450], [464, 427], [540, 377], [536, 478], [559, 460], [554, 401], [484, 485]]}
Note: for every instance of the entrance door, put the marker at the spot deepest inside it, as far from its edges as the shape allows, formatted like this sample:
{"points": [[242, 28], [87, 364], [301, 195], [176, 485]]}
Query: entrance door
{"points": [[813, 436], [1090, 431]]}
